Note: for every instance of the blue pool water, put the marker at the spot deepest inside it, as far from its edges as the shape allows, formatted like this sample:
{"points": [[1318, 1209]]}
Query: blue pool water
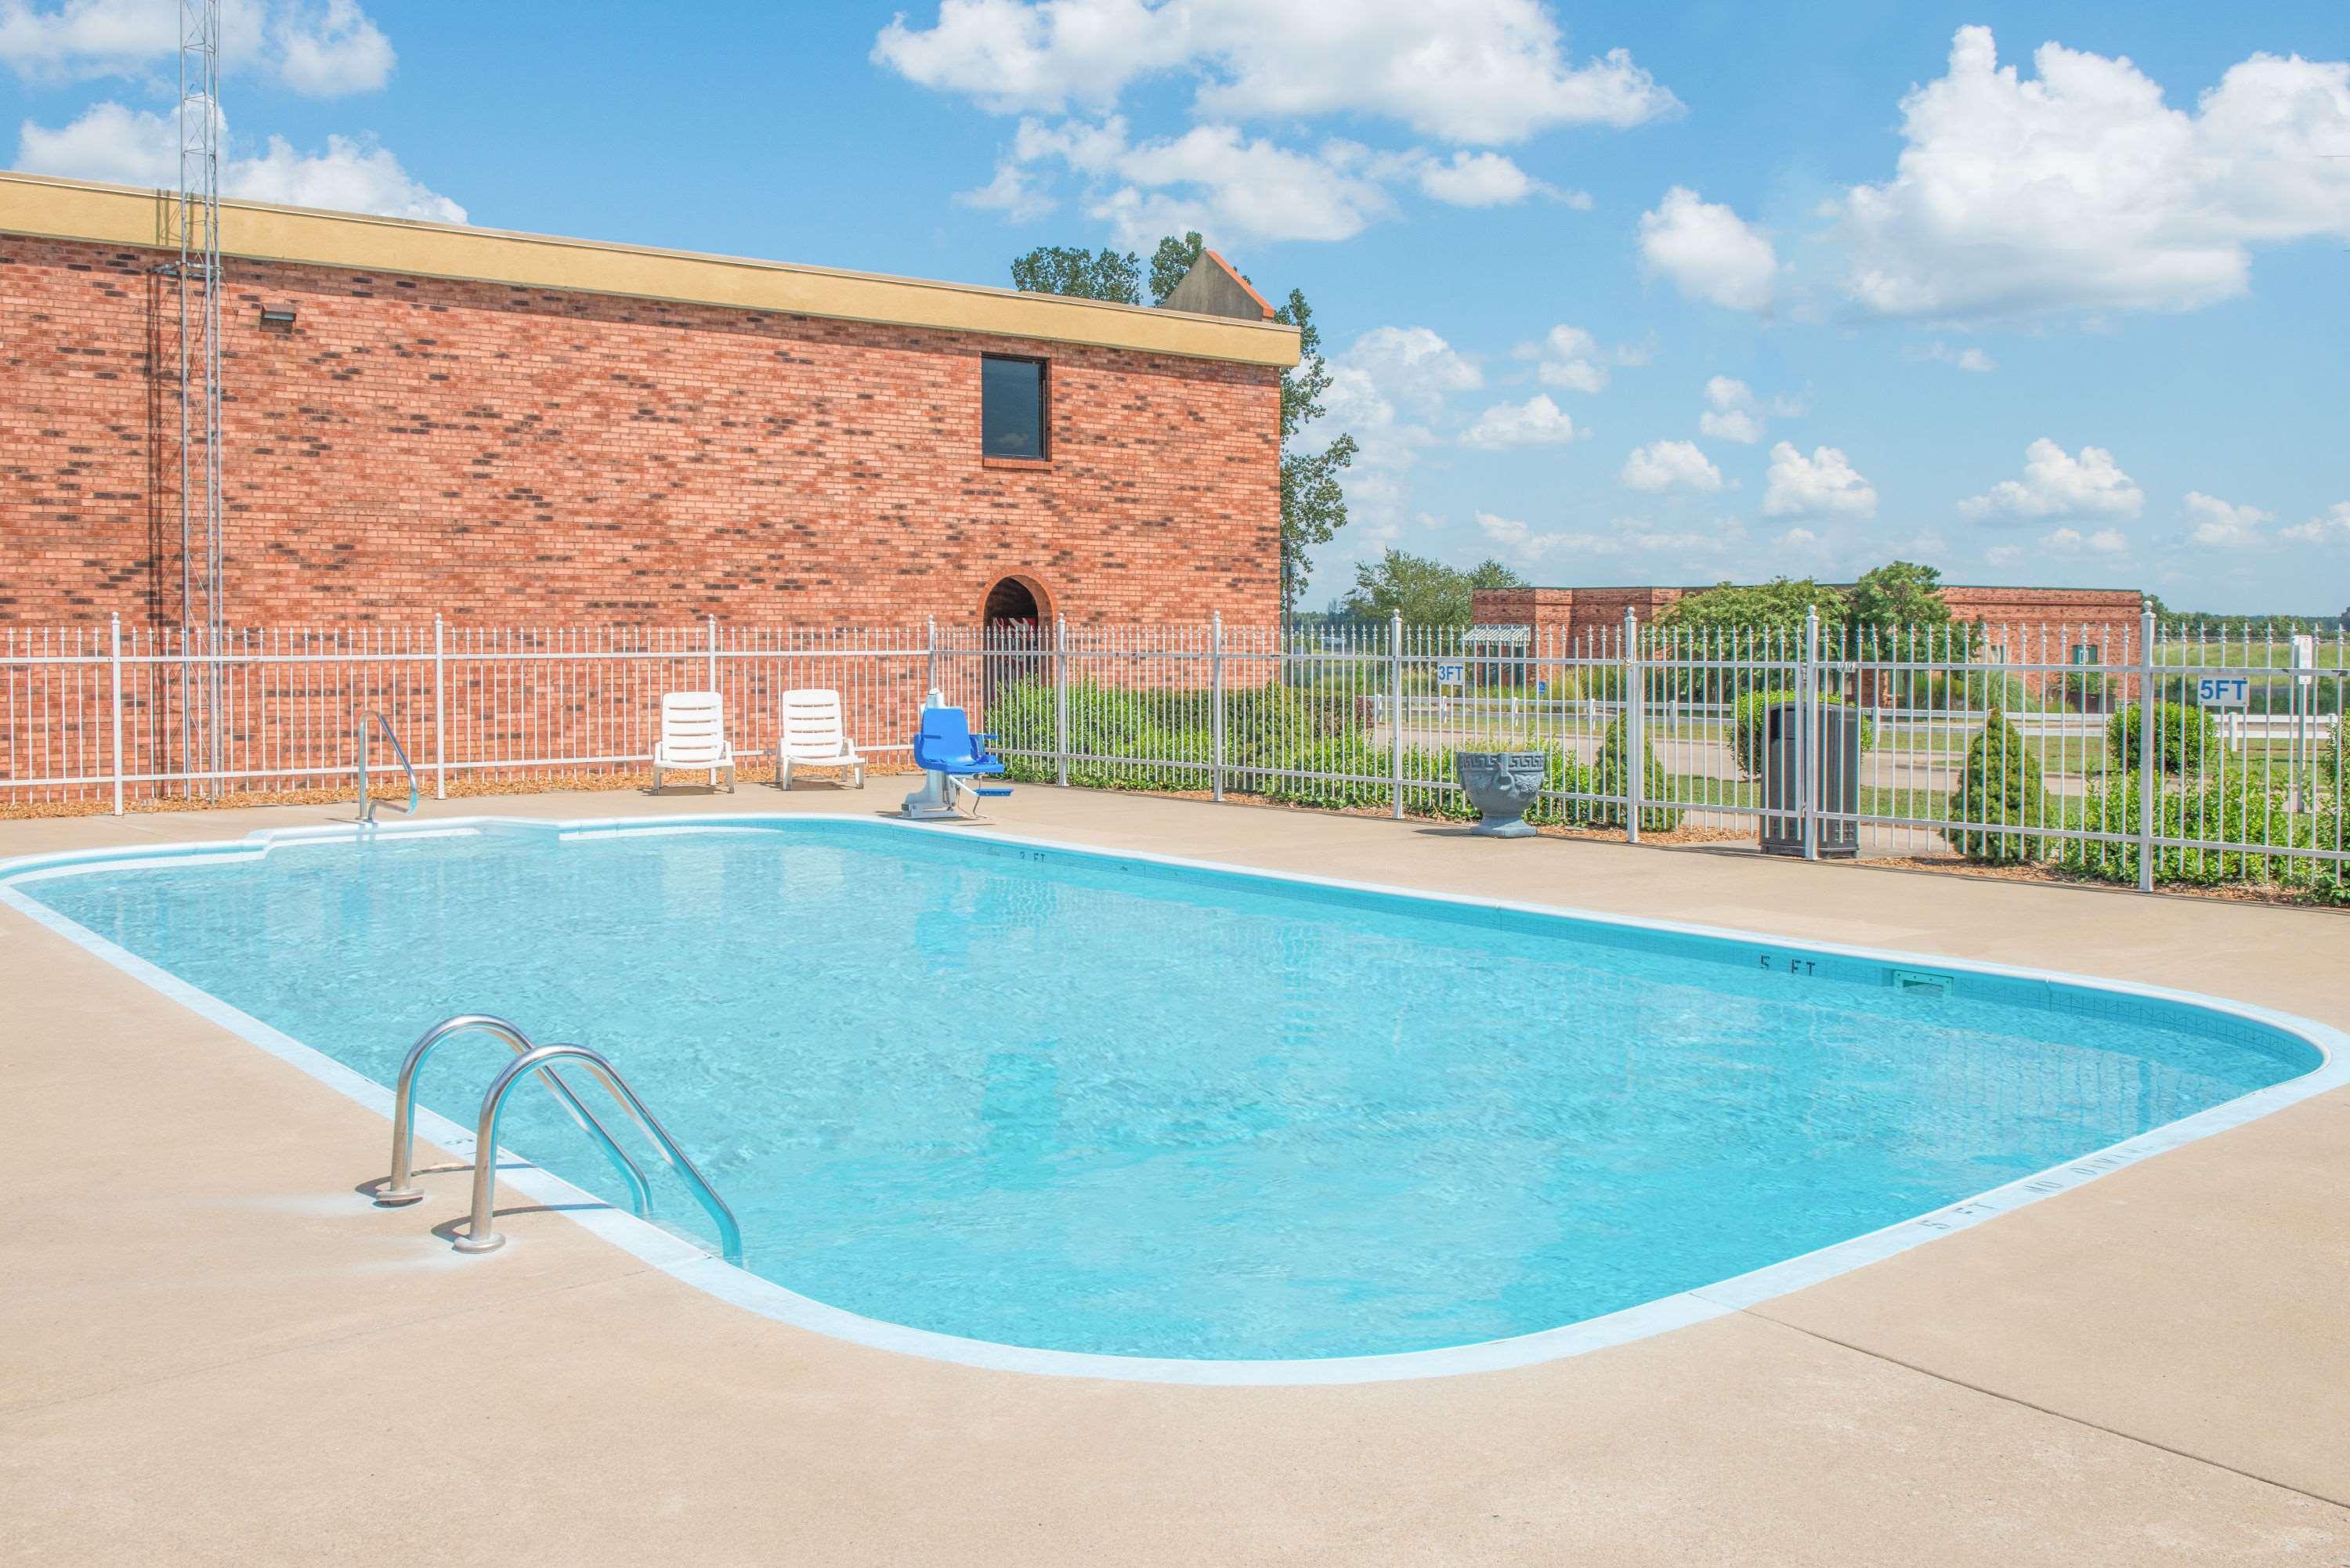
{"points": [[1092, 1104]]}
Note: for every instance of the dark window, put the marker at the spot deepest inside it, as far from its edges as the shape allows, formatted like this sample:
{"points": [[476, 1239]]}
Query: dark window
{"points": [[2085, 653], [1011, 408]]}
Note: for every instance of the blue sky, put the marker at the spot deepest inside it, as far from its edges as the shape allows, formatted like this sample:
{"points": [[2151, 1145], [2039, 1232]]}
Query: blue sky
{"points": [[2052, 294]]}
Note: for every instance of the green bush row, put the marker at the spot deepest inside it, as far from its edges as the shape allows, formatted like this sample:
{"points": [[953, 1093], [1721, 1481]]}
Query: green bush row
{"points": [[2002, 786], [1283, 745]]}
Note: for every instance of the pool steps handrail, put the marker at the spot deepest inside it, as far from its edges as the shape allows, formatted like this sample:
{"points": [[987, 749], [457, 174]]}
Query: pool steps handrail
{"points": [[482, 1235], [400, 1187], [367, 807]]}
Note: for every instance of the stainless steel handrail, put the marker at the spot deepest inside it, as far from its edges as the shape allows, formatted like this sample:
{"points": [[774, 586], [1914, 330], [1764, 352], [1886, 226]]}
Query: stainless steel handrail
{"points": [[367, 809], [401, 1188], [482, 1236]]}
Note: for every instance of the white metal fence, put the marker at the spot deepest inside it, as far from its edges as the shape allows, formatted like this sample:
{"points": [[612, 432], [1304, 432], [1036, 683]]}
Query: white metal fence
{"points": [[1736, 734]]}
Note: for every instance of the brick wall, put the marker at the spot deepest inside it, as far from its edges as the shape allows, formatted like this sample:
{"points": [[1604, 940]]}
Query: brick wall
{"points": [[511, 455], [2017, 618]]}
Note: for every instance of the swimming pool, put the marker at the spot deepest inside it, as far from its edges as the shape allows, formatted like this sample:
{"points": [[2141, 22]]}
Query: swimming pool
{"points": [[969, 1092]]}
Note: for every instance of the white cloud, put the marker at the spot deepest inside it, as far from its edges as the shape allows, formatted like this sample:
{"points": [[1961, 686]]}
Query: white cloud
{"points": [[1664, 465], [1940, 353], [1471, 71], [1478, 72], [1012, 192], [2055, 484], [1414, 365], [1537, 421], [2331, 526], [1213, 179], [350, 176], [1521, 541], [1730, 412], [321, 49], [1571, 360], [2083, 189], [124, 146], [325, 51], [1219, 181], [1477, 180], [1823, 484], [1382, 387], [133, 147], [2214, 523], [2004, 555], [2072, 542], [1708, 252]]}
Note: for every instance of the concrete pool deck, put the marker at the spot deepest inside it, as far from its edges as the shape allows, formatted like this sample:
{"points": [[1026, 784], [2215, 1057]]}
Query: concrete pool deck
{"points": [[216, 1351]]}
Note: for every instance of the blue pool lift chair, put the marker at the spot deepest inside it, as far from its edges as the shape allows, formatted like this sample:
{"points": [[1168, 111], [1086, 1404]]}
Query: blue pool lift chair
{"points": [[954, 757]]}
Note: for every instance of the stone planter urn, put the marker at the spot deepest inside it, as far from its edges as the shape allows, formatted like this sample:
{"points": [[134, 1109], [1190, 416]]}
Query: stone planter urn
{"points": [[1502, 785]]}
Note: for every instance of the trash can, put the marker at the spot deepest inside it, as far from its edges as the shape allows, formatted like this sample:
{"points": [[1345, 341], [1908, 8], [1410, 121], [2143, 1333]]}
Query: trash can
{"points": [[1839, 765]]}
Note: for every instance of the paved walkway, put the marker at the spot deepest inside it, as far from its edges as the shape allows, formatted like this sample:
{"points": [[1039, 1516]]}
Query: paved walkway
{"points": [[213, 1350]]}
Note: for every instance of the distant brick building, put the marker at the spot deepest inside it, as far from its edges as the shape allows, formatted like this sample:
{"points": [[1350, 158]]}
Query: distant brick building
{"points": [[515, 429], [2037, 626]]}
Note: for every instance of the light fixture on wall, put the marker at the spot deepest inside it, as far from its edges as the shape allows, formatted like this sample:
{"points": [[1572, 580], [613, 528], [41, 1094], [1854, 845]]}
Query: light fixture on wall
{"points": [[277, 316]]}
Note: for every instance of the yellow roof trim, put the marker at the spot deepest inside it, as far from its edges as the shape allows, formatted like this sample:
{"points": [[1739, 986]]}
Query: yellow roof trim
{"points": [[128, 216]]}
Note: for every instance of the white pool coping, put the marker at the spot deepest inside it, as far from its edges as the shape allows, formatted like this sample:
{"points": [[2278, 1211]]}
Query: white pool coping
{"points": [[687, 1261]]}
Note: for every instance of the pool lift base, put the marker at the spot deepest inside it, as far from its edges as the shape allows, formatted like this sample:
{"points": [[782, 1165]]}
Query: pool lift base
{"points": [[937, 801], [942, 793]]}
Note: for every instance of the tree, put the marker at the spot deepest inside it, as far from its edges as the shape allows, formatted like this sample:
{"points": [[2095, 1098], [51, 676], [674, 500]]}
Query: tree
{"points": [[1900, 598], [1087, 275], [1425, 592], [1313, 502], [1612, 775], [1171, 262], [1777, 605], [2001, 787]]}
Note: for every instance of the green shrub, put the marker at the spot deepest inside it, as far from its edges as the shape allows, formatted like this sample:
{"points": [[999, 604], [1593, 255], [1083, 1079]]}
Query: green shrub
{"points": [[1612, 775], [2240, 811], [1347, 753], [1747, 731], [2000, 785], [1561, 776], [2187, 738]]}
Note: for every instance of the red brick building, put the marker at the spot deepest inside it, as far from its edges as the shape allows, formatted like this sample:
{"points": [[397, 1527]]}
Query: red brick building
{"points": [[2024, 626], [513, 429]]}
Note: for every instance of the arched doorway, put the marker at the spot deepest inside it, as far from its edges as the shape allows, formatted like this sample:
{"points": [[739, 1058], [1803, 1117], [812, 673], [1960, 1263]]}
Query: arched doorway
{"points": [[1012, 632], [1014, 602]]}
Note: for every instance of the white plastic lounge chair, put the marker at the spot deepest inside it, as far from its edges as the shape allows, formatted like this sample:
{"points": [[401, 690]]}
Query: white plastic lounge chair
{"points": [[811, 736], [693, 735]]}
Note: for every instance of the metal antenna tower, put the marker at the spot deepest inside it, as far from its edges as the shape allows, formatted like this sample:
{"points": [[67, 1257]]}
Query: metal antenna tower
{"points": [[200, 366]]}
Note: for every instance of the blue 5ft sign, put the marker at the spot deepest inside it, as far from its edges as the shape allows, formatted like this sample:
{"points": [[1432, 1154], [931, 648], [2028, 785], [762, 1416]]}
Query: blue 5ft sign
{"points": [[2222, 691]]}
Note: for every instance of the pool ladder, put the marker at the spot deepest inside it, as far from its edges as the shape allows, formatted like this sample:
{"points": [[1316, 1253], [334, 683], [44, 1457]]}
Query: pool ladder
{"points": [[481, 1234], [368, 725]]}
